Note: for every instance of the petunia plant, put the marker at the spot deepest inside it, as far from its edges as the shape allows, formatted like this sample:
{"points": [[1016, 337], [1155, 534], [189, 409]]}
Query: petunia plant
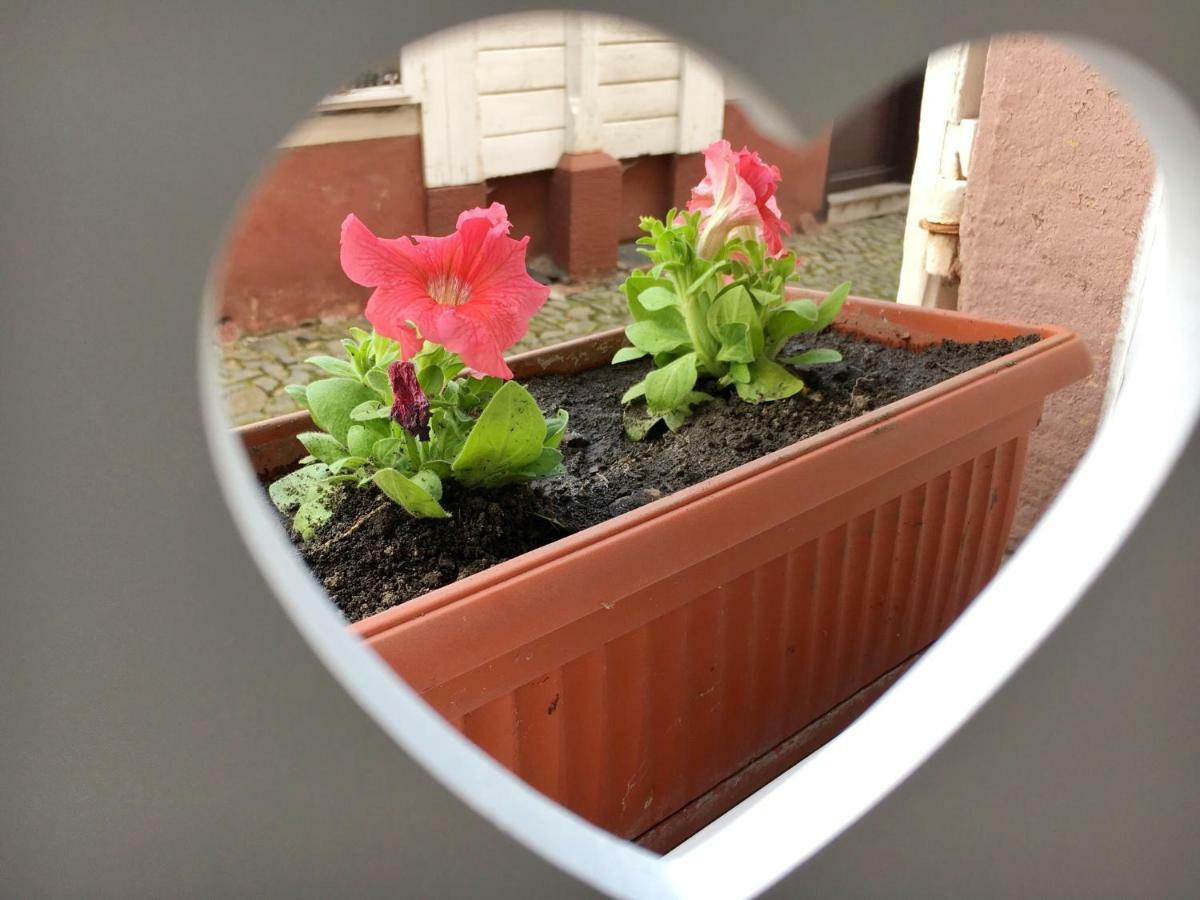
{"points": [[713, 306], [402, 411]]}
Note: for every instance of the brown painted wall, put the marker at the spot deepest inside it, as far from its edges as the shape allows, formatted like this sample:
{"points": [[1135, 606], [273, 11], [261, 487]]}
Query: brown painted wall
{"points": [[527, 199], [282, 267], [645, 191], [1060, 177]]}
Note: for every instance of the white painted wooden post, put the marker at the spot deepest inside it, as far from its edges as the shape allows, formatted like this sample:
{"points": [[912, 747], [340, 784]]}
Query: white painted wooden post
{"points": [[583, 119], [701, 102], [949, 111], [441, 73]]}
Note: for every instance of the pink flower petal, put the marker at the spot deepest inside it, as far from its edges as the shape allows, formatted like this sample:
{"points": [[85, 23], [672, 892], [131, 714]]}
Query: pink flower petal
{"points": [[495, 214], [738, 190], [468, 291]]}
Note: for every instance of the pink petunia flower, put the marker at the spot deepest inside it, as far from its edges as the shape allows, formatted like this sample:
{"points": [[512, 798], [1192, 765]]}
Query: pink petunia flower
{"points": [[410, 406], [738, 191], [468, 291]]}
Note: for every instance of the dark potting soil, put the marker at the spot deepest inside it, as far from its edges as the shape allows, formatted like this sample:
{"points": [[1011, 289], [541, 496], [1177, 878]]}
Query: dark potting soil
{"points": [[371, 555]]}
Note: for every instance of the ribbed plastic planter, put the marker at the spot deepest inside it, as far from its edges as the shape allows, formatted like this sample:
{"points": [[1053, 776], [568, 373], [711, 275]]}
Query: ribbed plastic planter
{"points": [[652, 671]]}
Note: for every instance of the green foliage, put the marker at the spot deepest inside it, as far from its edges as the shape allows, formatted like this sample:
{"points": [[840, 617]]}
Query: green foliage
{"points": [[483, 432], [722, 321]]}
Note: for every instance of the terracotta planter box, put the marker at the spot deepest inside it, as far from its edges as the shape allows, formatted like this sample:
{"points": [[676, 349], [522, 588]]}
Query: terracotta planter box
{"points": [[652, 671]]}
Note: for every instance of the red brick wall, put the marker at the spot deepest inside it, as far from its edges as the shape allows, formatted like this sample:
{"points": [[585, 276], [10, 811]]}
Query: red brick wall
{"points": [[281, 265]]}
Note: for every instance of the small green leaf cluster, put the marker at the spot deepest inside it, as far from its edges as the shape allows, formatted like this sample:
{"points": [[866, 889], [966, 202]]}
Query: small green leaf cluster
{"points": [[482, 432], [722, 320]]}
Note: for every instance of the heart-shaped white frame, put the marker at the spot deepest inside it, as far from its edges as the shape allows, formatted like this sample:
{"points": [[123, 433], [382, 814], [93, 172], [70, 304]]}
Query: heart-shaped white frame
{"points": [[767, 836], [1082, 540]]}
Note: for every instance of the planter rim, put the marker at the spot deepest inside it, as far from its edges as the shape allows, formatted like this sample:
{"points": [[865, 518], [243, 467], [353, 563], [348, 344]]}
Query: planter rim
{"points": [[1075, 365]]}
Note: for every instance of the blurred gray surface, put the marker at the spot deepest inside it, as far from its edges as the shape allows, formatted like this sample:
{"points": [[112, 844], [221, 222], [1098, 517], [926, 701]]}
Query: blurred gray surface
{"points": [[166, 730]]}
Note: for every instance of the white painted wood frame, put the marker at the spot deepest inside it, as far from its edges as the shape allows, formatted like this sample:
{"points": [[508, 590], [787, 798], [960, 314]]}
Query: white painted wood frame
{"points": [[949, 110], [511, 95]]}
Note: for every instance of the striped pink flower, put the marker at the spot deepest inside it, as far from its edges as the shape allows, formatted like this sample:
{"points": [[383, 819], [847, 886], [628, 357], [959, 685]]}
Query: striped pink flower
{"points": [[738, 191]]}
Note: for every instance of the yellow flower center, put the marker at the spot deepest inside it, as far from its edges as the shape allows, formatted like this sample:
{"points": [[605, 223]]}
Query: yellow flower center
{"points": [[449, 291]]}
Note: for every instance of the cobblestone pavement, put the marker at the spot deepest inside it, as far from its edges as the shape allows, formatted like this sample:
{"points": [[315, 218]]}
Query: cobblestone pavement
{"points": [[255, 368]]}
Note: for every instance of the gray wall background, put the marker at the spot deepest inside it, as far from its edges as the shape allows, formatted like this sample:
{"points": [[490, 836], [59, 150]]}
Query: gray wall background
{"points": [[165, 728]]}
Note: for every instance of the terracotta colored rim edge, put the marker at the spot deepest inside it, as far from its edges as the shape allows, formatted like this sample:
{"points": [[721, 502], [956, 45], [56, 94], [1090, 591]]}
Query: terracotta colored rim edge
{"points": [[1053, 339]]}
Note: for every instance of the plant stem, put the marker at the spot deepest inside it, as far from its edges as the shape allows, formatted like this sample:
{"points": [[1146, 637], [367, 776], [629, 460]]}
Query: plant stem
{"points": [[414, 451], [697, 329]]}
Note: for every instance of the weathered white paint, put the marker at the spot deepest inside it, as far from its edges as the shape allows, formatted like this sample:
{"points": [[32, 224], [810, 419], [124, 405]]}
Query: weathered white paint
{"points": [[583, 118], [441, 73], [361, 125], [628, 63], [512, 94], [639, 137], [953, 86], [521, 69], [535, 29], [382, 96], [522, 112], [701, 103], [640, 100], [531, 151], [614, 30]]}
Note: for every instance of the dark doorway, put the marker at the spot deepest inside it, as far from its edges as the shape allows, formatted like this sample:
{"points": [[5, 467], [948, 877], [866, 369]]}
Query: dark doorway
{"points": [[878, 141]]}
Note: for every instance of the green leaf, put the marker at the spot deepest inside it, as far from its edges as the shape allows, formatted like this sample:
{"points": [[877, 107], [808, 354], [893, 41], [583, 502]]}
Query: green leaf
{"points": [[322, 446], [507, 437], [377, 380], [660, 334], [429, 482], [794, 317], [333, 366], [638, 423], [657, 297], [627, 354], [547, 463], [803, 307], [668, 387], [361, 440], [556, 425], [769, 381], [765, 299], [832, 305], [739, 373], [348, 462], [299, 393], [370, 409], [635, 285], [734, 319], [386, 452], [817, 357], [413, 496], [331, 401], [637, 390], [384, 349], [431, 379], [312, 514], [291, 490]]}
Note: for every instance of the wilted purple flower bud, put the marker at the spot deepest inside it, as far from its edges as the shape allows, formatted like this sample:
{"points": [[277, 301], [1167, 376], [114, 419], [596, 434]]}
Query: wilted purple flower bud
{"points": [[410, 407]]}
